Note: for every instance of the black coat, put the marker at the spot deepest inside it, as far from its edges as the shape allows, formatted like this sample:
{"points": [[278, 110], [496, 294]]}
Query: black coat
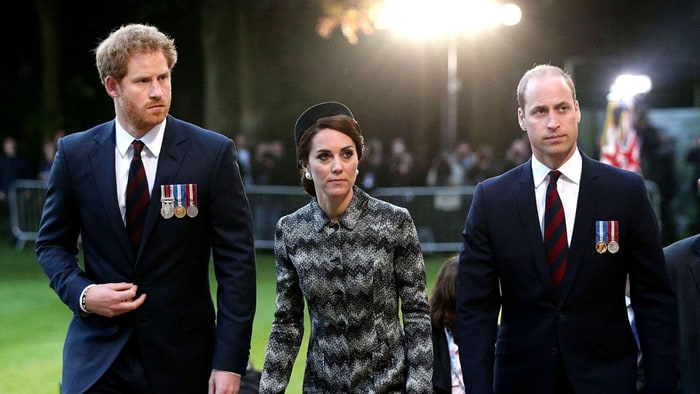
{"points": [[442, 371]]}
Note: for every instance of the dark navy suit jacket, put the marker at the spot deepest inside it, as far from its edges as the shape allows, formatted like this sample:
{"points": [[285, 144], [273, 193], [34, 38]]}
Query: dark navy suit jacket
{"points": [[503, 264], [179, 334], [683, 260]]}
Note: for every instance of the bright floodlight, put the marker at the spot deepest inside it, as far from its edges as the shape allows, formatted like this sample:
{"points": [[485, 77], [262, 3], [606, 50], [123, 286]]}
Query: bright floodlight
{"points": [[510, 14], [627, 86], [431, 18]]}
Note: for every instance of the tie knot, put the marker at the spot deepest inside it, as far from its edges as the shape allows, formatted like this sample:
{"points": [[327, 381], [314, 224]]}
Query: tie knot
{"points": [[138, 147], [554, 176]]}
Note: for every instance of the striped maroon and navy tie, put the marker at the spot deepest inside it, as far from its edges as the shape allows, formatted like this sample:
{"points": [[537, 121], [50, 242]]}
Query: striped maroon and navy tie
{"points": [[137, 197], [555, 242]]}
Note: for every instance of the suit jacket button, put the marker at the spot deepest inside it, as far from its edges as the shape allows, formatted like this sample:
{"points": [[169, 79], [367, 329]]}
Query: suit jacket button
{"points": [[559, 315]]}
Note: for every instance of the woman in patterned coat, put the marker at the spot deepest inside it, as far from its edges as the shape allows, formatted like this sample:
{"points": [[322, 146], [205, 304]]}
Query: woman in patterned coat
{"points": [[353, 259]]}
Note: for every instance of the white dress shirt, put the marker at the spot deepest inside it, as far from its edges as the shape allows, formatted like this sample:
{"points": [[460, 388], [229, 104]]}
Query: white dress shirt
{"points": [[567, 185], [124, 151]]}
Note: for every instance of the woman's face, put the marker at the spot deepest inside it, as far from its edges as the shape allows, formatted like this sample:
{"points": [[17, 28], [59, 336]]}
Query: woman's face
{"points": [[333, 164]]}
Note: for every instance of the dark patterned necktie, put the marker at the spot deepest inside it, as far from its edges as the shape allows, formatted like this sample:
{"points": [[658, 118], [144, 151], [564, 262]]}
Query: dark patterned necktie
{"points": [[555, 242], [137, 197]]}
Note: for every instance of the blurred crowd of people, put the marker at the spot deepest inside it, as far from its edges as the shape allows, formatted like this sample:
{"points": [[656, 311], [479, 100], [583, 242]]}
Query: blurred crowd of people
{"points": [[391, 164], [464, 166], [386, 164], [14, 165]]}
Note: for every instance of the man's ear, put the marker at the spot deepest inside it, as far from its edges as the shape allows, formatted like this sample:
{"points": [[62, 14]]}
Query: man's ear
{"points": [[578, 112], [112, 86], [521, 119]]}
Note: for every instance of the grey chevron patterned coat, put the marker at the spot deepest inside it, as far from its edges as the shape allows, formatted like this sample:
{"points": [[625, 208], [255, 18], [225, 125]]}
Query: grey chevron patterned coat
{"points": [[353, 276]]}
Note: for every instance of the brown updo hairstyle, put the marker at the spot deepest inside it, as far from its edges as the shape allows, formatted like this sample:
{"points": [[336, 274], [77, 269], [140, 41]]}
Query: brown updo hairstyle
{"points": [[341, 123]]}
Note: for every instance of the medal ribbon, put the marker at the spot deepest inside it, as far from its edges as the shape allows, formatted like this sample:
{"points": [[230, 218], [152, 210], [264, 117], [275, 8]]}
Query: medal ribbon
{"points": [[192, 193], [605, 231], [166, 192], [613, 230], [601, 233], [180, 194]]}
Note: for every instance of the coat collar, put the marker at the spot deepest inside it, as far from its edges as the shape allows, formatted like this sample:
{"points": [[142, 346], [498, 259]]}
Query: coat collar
{"points": [[349, 218], [696, 245]]}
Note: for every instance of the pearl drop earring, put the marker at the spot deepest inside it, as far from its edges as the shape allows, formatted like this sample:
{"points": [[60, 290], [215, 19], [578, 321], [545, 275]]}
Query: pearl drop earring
{"points": [[307, 175]]}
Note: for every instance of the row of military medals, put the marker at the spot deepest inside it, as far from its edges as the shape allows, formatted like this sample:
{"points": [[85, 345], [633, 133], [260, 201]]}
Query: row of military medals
{"points": [[606, 232], [173, 198]]}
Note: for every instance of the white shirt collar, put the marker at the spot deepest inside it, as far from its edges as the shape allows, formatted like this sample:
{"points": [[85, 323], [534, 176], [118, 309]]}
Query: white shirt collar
{"points": [[153, 139], [571, 170]]}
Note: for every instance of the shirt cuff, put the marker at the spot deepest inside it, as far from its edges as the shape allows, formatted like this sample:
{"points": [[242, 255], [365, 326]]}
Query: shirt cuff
{"points": [[232, 373], [82, 300]]}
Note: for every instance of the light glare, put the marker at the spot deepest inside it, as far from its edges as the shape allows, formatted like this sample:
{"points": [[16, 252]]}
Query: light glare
{"points": [[626, 86], [511, 14], [421, 18]]}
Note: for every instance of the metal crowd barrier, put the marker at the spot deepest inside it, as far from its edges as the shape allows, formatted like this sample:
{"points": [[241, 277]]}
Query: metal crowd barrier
{"points": [[438, 212], [26, 200]]}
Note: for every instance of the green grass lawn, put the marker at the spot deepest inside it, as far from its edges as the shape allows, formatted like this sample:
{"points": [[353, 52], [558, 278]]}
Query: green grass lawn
{"points": [[33, 322]]}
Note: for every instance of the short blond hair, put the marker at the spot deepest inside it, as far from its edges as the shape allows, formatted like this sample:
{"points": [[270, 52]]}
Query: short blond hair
{"points": [[113, 53], [538, 71]]}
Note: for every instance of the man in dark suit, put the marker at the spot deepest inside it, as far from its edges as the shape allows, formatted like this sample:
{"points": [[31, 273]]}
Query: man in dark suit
{"points": [[683, 261], [143, 316], [563, 328]]}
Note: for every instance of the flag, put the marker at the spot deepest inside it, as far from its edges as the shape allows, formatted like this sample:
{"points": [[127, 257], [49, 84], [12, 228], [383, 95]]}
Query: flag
{"points": [[619, 145]]}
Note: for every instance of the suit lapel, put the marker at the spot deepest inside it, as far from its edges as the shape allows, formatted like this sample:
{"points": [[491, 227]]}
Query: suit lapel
{"points": [[695, 264], [527, 213], [102, 162], [588, 199], [172, 154]]}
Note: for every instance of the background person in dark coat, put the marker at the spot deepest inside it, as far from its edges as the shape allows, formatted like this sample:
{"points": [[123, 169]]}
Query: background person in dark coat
{"points": [[12, 167], [683, 261]]}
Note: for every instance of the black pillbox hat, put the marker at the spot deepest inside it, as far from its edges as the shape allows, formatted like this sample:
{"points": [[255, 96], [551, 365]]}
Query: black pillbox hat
{"points": [[316, 112]]}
